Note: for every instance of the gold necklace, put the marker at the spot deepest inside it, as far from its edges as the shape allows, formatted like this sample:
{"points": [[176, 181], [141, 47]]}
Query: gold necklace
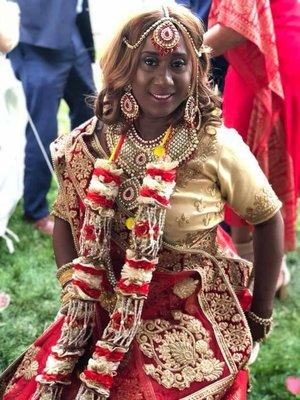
{"points": [[140, 142], [133, 159]]}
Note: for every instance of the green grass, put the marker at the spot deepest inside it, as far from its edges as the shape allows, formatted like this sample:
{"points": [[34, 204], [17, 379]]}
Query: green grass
{"points": [[28, 276]]}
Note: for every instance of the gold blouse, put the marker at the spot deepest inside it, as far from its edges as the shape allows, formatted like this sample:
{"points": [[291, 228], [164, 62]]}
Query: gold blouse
{"points": [[222, 170]]}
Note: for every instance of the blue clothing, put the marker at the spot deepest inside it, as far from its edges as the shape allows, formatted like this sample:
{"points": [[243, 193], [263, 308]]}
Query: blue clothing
{"points": [[201, 9], [53, 61], [198, 7]]}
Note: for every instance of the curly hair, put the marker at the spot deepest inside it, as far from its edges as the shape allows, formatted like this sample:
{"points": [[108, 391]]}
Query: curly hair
{"points": [[119, 64]]}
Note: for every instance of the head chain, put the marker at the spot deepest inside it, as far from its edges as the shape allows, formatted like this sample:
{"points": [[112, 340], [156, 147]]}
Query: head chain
{"points": [[203, 48]]}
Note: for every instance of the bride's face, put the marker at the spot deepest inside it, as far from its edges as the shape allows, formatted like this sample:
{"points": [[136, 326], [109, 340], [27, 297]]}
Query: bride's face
{"points": [[161, 83]]}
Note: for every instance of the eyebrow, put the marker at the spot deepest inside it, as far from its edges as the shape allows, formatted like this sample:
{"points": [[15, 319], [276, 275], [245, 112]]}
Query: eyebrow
{"points": [[154, 53]]}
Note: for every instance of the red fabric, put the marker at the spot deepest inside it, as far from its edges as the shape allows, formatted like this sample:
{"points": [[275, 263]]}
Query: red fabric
{"points": [[88, 270], [89, 232], [168, 176], [147, 192], [131, 381], [133, 288], [109, 355], [101, 200], [238, 390], [93, 293], [108, 177], [147, 265], [105, 380], [262, 92], [55, 377]]}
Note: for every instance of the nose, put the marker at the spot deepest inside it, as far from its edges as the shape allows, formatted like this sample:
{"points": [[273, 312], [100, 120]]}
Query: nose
{"points": [[163, 76]]}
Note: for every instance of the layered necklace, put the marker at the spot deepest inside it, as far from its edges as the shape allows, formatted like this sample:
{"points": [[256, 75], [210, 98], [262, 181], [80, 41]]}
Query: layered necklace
{"points": [[90, 268], [136, 153]]}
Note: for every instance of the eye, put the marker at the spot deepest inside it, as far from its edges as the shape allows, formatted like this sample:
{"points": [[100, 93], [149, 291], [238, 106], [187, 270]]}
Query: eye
{"points": [[178, 63], [150, 61]]}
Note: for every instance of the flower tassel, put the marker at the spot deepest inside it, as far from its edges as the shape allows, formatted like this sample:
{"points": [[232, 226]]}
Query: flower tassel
{"points": [[86, 283]]}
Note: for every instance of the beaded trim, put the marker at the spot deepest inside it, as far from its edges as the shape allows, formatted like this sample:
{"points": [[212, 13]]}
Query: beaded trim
{"points": [[64, 273]]}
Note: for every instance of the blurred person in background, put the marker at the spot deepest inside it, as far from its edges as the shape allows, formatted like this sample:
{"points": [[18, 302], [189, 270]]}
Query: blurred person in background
{"points": [[13, 121], [261, 41], [53, 61], [11, 129], [201, 9]]}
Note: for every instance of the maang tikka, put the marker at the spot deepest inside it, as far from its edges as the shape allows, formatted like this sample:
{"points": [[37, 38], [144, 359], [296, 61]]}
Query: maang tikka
{"points": [[129, 105], [166, 36]]}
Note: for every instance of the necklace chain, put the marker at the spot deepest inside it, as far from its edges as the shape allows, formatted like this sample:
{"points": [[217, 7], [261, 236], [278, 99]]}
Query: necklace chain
{"points": [[134, 136]]}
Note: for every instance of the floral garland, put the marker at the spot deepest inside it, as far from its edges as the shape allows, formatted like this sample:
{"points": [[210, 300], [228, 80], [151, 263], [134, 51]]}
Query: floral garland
{"points": [[89, 270]]}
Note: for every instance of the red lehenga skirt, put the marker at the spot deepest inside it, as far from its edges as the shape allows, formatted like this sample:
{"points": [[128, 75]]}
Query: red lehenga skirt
{"points": [[193, 343]]}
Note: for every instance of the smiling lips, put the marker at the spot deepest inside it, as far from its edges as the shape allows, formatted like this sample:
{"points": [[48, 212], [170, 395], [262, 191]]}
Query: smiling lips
{"points": [[161, 96]]}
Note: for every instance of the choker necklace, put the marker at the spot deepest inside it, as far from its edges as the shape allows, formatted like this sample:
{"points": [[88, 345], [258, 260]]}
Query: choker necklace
{"points": [[136, 138], [134, 155]]}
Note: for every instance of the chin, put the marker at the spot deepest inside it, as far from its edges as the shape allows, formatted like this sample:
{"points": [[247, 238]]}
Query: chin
{"points": [[161, 112]]}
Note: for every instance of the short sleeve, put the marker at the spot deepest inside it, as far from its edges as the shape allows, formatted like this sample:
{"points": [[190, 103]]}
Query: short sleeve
{"points": [[242, 183], [60, 206]]}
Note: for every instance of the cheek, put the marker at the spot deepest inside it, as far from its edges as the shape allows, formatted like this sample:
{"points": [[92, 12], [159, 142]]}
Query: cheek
{"points": [[184, 83], [139, 83]]}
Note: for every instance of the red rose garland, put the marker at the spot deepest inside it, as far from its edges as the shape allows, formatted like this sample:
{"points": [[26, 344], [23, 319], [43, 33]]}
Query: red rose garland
{"points": [[86, 284], [132, 288], [133, 285]]}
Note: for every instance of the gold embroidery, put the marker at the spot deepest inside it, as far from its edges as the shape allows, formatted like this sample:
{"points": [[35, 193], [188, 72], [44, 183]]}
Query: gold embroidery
{"points": [[29, 366], [181, 351], [229, 324], [202, 240], [169, 260], [198, 204], [192, 169], [185, 288], [213, 189], [264, 206], [221, 306], [236, 336], [215, 391], [182, 220], [59, 208]]}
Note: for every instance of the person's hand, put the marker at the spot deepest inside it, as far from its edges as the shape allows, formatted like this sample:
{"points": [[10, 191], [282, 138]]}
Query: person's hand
{"points": [[258, 331], [9, 25]]}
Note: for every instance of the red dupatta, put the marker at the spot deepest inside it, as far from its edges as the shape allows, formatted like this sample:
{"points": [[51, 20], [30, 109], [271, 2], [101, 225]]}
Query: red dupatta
{"points": [[256, 61]]}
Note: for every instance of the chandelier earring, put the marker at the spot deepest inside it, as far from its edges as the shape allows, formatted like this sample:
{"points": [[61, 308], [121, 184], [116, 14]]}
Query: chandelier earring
{"points": [[192, 115], [129, 105]]}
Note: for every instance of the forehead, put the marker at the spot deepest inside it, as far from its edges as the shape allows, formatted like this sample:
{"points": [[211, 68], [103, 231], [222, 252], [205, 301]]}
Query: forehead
{"points": [[149, 46]]}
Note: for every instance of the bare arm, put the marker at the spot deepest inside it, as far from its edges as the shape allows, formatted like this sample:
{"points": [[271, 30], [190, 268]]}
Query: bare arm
{"points": [[63, 243], [268, 252], [221, 38]]}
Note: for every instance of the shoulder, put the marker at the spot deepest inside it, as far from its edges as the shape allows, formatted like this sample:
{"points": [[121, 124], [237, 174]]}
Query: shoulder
{"points": [[215, 140], [228, 137], [230, 142], [64, 144]]}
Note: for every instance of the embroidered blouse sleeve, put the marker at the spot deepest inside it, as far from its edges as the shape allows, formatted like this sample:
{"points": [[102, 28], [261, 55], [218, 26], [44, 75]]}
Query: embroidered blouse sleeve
{"points": [[243, 184], [60, 205]]}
